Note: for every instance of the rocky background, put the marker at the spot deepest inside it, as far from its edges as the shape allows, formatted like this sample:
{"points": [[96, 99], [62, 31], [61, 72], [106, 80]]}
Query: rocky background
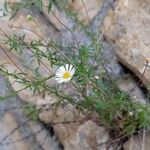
{"points": [[126, 38]]}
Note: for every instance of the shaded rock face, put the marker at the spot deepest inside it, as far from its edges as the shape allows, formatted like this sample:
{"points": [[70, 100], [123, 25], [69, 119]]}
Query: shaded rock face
{"points": [[126, 83], [127, 26]]}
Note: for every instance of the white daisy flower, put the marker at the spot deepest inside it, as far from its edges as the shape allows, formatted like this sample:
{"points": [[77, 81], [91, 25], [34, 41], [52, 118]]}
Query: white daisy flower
{"points": [[64, 73]]}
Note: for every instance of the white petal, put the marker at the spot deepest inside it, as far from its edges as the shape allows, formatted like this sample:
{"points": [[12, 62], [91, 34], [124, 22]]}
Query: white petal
{"points": [[59, 80], [59, 74], [65, 80], [67, 67], [72, 71], [70, 68], [68, 79], [62, 69], [58, 71]]}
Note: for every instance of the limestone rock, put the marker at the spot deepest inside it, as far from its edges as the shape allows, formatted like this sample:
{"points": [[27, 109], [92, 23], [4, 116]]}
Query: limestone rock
{"points": [[74, 131], [19, 132], [127, 26], [57, 19], [86, 9], [7, 125], [89, 136], [65, 120]]}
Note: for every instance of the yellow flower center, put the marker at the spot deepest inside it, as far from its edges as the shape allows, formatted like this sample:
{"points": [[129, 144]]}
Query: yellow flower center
{"points": [[66, 75]]}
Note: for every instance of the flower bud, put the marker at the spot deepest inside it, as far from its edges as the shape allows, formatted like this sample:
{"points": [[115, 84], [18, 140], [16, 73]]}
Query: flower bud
{"points": [[131, 113], [147, 60], [96, 77], [29, 17]]}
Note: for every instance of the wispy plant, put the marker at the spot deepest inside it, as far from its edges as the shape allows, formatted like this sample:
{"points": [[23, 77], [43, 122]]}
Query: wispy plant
{"points": [[96, 92]]}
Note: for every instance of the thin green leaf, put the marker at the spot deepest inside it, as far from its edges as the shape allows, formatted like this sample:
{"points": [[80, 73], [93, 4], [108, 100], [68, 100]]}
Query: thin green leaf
{"points": [[49, 6], [6, 6]]}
